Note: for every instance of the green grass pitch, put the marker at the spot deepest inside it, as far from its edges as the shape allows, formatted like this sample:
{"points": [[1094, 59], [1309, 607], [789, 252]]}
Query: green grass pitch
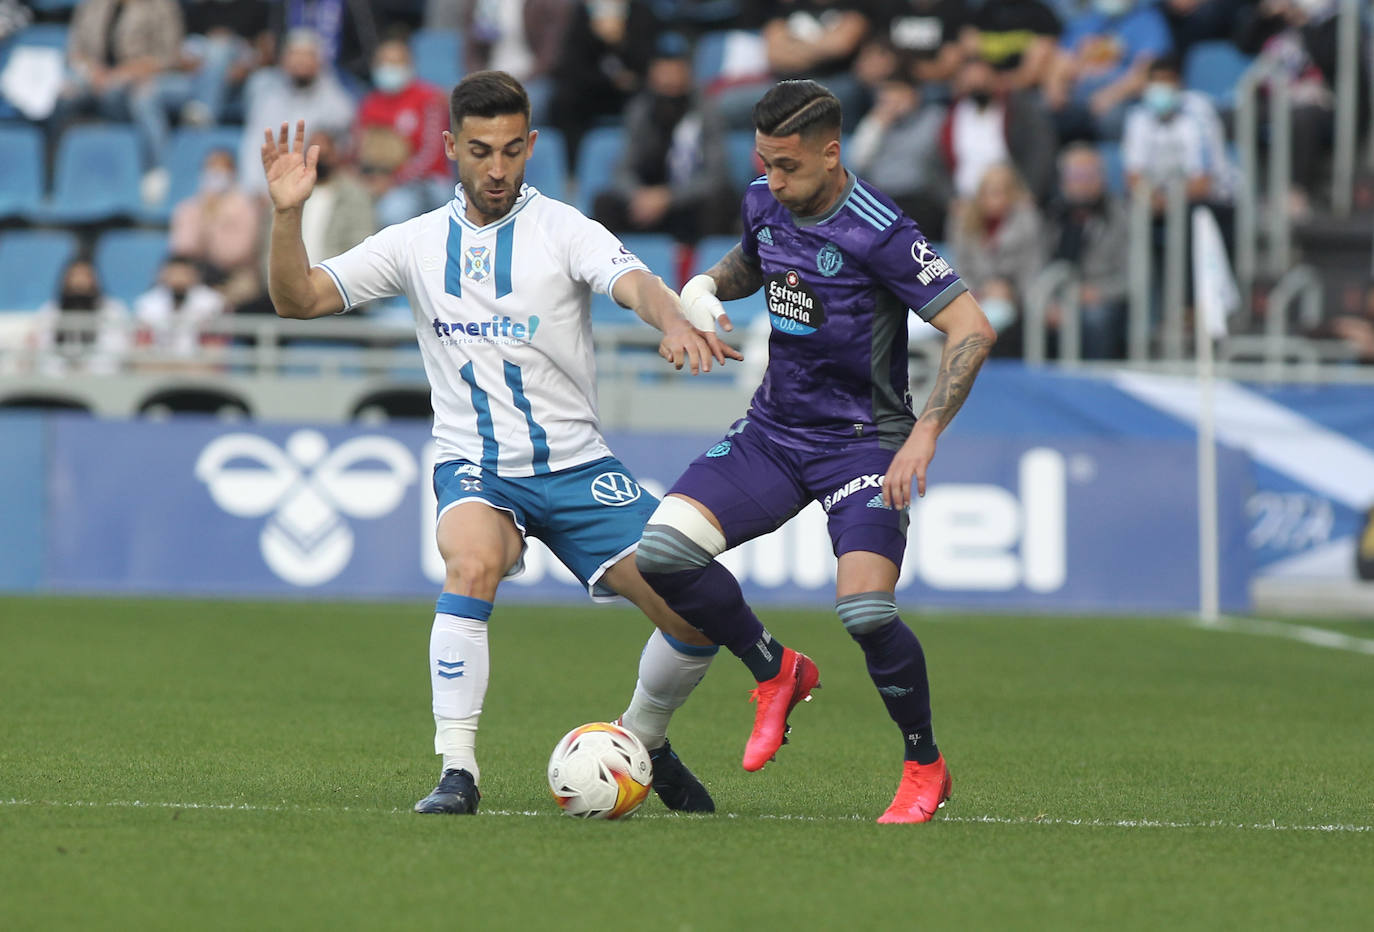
{"points": [[169, 764]]}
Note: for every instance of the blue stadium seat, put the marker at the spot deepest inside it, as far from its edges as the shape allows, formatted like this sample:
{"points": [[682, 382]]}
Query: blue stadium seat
{"points": [[739, 157], [1213, 68], [547, 168], [48, 35], [128, 261], [31, 263], [1113, 167], [21, 181], [97, 175], [709, 252], [438, 55], [185, 158], [708, 56], [597, 159]]}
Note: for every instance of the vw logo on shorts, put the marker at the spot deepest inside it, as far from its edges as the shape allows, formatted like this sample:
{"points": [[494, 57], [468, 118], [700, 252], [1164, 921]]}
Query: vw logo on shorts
{"points": [[615, 489]]}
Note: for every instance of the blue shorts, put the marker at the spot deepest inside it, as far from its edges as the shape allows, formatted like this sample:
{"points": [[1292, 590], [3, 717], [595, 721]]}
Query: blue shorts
{"points": [[590, 516], [754, 484]]}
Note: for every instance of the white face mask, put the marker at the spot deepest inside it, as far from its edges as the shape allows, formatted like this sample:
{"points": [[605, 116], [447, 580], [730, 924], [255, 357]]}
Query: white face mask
{"points": [[1000, 312], [216, 181], [390, 78]]}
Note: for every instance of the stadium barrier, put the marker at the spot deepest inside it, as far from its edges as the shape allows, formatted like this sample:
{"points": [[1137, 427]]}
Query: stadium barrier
{"points": [[1053, 491]]}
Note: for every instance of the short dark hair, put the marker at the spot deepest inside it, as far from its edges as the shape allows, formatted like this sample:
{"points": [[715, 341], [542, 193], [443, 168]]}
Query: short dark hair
{"points": [[487, 94], [803, 107], [1172, 63]]}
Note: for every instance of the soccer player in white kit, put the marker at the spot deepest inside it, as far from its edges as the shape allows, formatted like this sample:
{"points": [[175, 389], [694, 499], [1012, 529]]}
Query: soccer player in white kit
{"points": [[500, 280]]}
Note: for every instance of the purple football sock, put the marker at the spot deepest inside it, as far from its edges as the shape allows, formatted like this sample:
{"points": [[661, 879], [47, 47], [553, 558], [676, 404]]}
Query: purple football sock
{"points": [[897, 666], [711, 601]]}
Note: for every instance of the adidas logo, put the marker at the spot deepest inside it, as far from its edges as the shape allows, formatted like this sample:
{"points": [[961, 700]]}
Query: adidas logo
{"points": [[766, 236], [876, 502]]}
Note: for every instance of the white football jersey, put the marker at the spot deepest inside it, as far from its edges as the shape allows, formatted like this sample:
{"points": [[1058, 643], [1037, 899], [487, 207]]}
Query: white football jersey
{"points": [[503, 317]]}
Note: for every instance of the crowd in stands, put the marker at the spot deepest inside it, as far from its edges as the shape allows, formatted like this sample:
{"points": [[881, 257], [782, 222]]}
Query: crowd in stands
{"points": [[1011, 130]]}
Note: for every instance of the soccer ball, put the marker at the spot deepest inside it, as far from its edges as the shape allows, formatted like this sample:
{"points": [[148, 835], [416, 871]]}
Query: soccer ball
{"points": [[600, 771]]}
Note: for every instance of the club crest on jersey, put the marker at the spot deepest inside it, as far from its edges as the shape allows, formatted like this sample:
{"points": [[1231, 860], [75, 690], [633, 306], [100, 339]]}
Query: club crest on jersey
{"points": [[792, 306], [477, 263], [766, 236], [932, 266], [829, 260], [615, 489]]}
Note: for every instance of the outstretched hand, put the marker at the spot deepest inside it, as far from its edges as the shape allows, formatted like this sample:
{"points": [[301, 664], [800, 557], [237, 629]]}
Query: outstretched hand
{"points": [[683, 344], [290, 167]]}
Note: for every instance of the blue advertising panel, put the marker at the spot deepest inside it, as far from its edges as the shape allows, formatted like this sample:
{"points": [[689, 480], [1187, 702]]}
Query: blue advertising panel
{"points": [[267, 509], [21, 500]]}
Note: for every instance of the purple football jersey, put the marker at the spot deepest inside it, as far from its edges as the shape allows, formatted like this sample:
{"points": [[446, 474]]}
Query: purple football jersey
{"points": [[838, 287]]}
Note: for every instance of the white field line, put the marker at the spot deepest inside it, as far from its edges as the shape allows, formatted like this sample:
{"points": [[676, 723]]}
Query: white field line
{"points": [[1306, 634], [526, 813]]}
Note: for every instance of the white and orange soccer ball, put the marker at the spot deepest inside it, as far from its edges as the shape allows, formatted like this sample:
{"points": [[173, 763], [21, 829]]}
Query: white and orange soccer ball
{"points": [[600, 771]]}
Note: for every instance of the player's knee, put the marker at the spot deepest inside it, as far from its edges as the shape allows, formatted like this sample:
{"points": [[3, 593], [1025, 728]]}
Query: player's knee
{"points": [[866, 612], [473, 571], [677, 538]]}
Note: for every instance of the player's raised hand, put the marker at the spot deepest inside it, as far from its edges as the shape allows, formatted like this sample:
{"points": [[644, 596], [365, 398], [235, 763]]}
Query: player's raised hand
{"points": [[289, 167], [909, 465], [685, 345]]}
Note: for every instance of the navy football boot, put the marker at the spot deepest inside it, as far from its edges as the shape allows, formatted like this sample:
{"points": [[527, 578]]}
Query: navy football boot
{"points": [[456, 794], [676, 785]]}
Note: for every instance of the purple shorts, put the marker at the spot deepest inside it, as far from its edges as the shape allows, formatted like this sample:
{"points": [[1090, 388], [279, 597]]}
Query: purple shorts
{"points": [[754, 484]]}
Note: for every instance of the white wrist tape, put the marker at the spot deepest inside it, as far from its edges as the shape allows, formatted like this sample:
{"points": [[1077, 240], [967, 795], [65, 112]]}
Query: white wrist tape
{"points": [[700, 305]]}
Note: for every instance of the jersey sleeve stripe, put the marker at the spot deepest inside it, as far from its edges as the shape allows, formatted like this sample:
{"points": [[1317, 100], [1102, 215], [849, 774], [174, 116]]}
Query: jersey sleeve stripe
{"points": [[863, 212], [877, 206], [942, 300], [761, 179], [610, 286], [338, 283], [539, 439]]}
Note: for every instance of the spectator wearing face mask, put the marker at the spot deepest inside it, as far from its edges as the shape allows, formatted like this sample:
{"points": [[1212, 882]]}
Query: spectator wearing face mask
{"points": [[1175, 135], [301, 87], [220, 227], [986, 126], [901, 121], [1090, 228], [171, 314], [1101, 65], [413, 115], [82, 329], [999, 241], [603, 63], [1298, 42], [519, 37], [672, 177]]}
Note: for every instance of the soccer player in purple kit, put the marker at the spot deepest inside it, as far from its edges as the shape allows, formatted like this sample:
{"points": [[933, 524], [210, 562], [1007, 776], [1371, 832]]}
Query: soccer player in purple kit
{"points": [[832, 421]]}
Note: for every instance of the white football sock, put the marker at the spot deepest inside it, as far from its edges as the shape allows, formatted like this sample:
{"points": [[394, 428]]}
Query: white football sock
{"points": [[668, 672], [459, 670]]}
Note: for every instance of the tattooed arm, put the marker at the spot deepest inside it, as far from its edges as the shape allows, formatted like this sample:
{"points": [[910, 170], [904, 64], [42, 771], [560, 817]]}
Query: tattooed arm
{"points": [[968, 338], [736, 276]]}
